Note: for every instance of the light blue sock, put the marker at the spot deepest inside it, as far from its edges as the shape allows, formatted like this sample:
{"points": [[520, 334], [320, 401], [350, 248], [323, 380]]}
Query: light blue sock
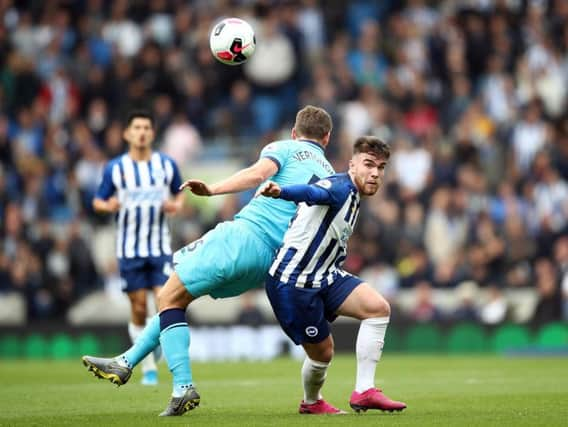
{"points": [[174, 337], [146, 342]]}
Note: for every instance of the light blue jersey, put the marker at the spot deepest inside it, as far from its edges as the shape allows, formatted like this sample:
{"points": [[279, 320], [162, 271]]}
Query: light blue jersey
{"points": [[235, 256], [299, 162]]}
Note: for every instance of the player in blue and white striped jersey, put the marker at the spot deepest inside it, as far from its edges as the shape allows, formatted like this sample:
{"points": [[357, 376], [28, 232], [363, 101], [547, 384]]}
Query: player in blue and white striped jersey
{"points": [[308, 288], [141, 187]]}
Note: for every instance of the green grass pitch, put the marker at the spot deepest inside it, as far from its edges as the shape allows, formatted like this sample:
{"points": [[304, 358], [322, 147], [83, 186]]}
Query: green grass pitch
{"points": [[439, 390]]}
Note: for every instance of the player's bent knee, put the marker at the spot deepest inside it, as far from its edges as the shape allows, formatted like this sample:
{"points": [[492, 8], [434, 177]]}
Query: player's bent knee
{"points": [[173, 295], [378, 307], [322, 355], [320, 352]]}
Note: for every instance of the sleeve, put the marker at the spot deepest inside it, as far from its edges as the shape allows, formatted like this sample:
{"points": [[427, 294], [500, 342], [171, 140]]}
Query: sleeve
{"points": [[277, 152], [176, 179], [106, 187], [321, 193], [310, 194]]}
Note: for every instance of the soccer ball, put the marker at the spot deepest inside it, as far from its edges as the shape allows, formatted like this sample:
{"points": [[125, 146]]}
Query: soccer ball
{"points": [[232, 41]]}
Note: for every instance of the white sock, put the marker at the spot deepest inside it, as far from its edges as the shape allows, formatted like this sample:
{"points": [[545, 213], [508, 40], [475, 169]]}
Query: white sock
{"points": [[369, 347], [148, 363], [313, 377]]}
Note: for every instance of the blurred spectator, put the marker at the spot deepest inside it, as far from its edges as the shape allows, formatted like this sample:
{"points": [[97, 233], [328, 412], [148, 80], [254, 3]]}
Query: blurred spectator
{"points": [[494, 309], [415, 267], [181, 141], [529, 136], [467, 297], [497, 91], [445, 234], [272, 82], [561, 258], [413, 225], [549, 305], [122, 32], [249, 313], [520, 250], [424, 309], [366, 62], [551, 201], [412, 166]]}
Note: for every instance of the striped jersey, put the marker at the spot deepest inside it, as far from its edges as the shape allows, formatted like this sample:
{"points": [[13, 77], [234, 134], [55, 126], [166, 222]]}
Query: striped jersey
{"points": [[315, 244], [141, 188]]}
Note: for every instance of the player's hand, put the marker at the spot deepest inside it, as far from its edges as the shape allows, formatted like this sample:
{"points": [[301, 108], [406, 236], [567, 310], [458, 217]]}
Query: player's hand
{"points": [[171, 207], [197, 187], [112, 205], [270, 189]]}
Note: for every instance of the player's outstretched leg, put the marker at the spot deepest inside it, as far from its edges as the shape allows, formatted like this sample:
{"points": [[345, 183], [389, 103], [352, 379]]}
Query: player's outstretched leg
{"points": [[108, 369], [180, 405], [174, 338]]}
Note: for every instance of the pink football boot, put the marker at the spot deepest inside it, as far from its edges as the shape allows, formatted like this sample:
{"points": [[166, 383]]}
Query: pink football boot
{"points": [[319, 407], [374, 399]]}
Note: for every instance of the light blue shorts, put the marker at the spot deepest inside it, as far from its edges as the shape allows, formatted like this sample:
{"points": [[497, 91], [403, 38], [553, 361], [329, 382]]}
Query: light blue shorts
{"points": [[225, 262]]}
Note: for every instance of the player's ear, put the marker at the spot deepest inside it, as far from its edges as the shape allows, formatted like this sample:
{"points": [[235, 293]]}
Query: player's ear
{"points": [[325, 139], [294, 134]]}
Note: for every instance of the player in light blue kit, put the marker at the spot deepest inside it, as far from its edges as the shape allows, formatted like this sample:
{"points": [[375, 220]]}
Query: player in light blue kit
{"points": [[308, 288], [230, 259]]}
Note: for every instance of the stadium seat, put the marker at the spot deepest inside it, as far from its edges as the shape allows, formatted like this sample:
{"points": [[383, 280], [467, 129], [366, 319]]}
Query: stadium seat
{"points": [[10, 347], [113, 344], [62, 347], [552, 336], [423, 339], [466, 338], [510, 338], [392, 339], [35, 347], [88, 344]]}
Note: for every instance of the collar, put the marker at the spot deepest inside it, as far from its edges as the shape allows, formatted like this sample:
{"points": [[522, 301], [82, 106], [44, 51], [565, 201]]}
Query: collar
{"points": [[317, 144]]}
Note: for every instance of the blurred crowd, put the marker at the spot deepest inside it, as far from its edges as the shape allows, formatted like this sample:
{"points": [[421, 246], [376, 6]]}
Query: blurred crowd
{"points": [[471, 95]]}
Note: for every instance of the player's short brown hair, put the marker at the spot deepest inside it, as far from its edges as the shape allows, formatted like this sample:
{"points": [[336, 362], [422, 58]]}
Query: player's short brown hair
{"points": [[313, 122], [373, 145]]}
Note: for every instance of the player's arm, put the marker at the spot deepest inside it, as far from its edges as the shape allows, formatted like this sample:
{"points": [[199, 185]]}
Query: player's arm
{"points": [[110, 205], [245, 179], [311, 194], [174, 205], [104, 201]]}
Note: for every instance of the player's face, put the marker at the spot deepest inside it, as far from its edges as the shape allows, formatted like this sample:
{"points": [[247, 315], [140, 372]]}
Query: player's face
{"points": [[368, 172], [140, 133]]}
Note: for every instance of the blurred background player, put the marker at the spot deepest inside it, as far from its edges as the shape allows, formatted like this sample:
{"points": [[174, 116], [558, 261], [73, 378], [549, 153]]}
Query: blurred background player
{"points": [[142, 187], [308, 288], [228, 260]]}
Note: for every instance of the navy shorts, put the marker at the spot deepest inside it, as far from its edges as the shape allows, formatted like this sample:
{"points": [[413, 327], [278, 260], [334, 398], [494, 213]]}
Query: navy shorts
{"points": [[145, 273], [305, 313]]}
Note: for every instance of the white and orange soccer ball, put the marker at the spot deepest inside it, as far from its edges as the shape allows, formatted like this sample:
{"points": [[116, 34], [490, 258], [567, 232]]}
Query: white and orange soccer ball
{"points": [[232, 41]]}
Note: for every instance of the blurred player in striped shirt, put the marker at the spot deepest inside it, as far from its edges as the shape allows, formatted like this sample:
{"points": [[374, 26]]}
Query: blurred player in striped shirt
{"points": [[141, 187]]}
